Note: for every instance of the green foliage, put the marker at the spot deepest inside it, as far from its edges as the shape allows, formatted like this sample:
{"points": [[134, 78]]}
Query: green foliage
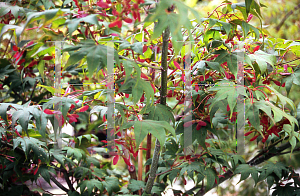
{"points": [[112, 81]]}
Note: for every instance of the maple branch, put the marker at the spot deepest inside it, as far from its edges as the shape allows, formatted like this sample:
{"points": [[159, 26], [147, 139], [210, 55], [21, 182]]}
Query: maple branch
{"points": [[143, 64], [286, 16], [258, 159], [163, 100], [58, 184]]}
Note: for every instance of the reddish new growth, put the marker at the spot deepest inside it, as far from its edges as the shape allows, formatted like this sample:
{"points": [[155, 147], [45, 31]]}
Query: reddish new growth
{"points": [[268, 129]]}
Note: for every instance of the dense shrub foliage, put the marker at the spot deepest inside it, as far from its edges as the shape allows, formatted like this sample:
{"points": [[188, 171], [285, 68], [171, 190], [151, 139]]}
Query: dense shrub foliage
{"points": [[155, 95]]}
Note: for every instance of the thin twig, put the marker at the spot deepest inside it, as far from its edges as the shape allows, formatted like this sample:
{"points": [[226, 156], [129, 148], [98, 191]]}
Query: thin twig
{"points": [[143, 64], [33, 89], [59, 184], [286, 16]]}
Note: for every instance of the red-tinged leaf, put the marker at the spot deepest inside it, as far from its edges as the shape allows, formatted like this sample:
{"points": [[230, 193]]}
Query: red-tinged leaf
{"points": [[18, 134], [114, 34], [116, 159], [228, 108], [256, 48], [127, 161], [73, 118], [15, 48], [265, 139], [196, 87], [277, 83], [248, 133], [142, 98], [254, 138], [144, 76], [177, 65], [153, 87], [128, 20], [83, 109], [47, 58], [102, 4], [187, 124], [47, 111], [76, 3], [60, 119], [126, 95], [145, 47], [200, 124], [32, 63], [134, 14], [104, 118], [104, 141], [21, 61], [72, 107], [115, 23], [119, 134], [135, 154], [249, 17], [115, 13], [35, 171]]}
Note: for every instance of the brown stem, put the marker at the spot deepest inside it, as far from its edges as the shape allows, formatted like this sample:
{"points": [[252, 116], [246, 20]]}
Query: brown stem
{"points": [[148, 154], [286, 16], [163, 100], [33, 89], [58, 184], [7, 46]]}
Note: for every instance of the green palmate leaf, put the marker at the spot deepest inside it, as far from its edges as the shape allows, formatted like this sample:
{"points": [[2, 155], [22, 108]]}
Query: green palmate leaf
{"points": [[159, 112], [194, 166], [278, 168], [294, 78], [279, 114], [48, 15], [173, 20], [77, 153], [248, 5], [137, 47], [73, 24], [37, 146], [156, 128], [136, 185], [89, 185], [137, 86], [211, 177], [76, 56], [3, 110], [5, 71], [245, 170], [263, 59], [111, 184], [96, 57], [44, 171], [283, 99], [230, 58], [62, 104], [173, 174], [17, 30], [252, 114], [229, 91], [13, 9], [41, 121], [247, 27], [190, 134]]}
